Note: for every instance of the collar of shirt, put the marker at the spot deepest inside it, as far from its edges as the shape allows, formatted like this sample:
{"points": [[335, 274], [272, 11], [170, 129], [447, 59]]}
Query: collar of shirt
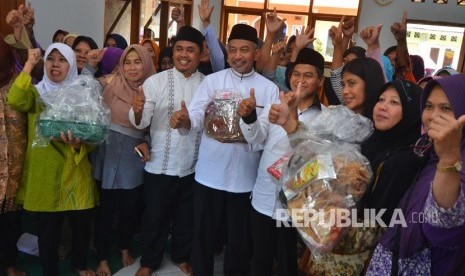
{"points": [[242, 76], [316, 103], [180, 74]]}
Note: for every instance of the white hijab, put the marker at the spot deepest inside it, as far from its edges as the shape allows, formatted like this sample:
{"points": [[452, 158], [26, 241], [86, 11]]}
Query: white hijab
{"points": [[46, 85]]}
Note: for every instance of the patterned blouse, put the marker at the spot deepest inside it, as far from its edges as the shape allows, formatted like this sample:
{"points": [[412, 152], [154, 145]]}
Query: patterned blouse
{"points": [[420, 262], [13, 142]]}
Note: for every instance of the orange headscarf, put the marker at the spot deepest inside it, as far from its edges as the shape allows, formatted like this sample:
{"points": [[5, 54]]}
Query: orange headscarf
{"points": [[156, 50]]}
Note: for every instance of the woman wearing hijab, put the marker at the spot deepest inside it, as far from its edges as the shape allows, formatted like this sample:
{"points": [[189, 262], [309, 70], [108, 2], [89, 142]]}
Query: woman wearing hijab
{"points": [[118, 168], [110, 60], [116, 40], [362, 78], [396, 118], [57, 180], [153, 49], [434, 206], [12, 152]]}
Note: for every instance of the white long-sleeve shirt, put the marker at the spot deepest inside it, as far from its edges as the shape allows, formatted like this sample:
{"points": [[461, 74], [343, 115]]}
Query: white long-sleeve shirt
{"points": [[265, 190], [171, 153], [230, 167]]}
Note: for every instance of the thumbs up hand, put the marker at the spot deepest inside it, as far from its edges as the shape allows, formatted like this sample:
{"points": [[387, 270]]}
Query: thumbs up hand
{"points": [[247, 106], [139, 101], [180, 118], [279, 113]]}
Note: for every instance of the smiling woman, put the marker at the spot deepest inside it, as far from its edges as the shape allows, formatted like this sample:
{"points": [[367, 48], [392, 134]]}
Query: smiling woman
{"points": [[82, 46], [360, 78], [57, 177], [115, 166]]}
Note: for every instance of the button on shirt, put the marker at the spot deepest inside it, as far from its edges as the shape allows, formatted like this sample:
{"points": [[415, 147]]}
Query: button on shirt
{"points": [[230, 167], [265, 190], [171, 153]]}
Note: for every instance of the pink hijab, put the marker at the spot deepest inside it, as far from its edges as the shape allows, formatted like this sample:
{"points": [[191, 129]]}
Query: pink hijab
{"points": [[119, 93]]}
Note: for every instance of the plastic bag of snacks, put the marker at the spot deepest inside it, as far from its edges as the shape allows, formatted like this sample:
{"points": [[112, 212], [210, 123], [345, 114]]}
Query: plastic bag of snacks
{"points": [[324, 175], [78, 108], [221, 118]]}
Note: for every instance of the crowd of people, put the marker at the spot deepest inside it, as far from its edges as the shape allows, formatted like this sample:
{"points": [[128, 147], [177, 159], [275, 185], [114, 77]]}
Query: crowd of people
{"points": [[160, 171]]}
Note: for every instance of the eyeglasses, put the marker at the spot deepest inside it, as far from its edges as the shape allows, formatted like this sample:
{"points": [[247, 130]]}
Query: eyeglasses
{"points": [[423, 146]]}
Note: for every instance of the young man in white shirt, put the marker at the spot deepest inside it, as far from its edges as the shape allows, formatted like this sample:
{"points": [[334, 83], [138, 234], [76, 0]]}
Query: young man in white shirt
{"points": [[225, 172], [169, 179], [272, 239]]}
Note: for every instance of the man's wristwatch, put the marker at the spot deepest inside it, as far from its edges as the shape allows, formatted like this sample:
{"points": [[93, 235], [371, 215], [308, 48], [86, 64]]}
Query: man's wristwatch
{"points": [[457, 167]]}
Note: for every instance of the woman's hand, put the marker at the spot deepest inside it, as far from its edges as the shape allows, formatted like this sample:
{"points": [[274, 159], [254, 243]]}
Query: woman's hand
{"points": [[33, 57], [95, 56], [370, 36], [335, 33], [75, 143], [15, 19], [446, 133]]}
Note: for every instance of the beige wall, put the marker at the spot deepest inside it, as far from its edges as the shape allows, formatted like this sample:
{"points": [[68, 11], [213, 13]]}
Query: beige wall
{"points": [[82, 16]]}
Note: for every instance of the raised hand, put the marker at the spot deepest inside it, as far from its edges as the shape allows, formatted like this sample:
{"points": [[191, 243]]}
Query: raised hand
{"points": [[279, 47], [285, 113], [95, 56], [247, 106], [303, 39], [399, 30], [273, 23], [15, 19], [279, 113], [180, 118], [205, 12], [371, 35], [33, 56], [336, 33], [348, 28], [293, 98], [29, 16]]}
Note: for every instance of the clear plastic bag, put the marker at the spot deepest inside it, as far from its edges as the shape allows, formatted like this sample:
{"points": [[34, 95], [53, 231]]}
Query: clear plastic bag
{"points": [[324, 175], [317, 213], [221, 118], [78, 108]]}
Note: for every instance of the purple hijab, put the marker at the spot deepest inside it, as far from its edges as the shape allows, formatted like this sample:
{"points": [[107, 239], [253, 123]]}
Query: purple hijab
{"points": [[111, 59], [413, 237]]}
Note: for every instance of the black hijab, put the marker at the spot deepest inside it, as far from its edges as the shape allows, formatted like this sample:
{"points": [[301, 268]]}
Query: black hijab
{"points": [[391, 153]]}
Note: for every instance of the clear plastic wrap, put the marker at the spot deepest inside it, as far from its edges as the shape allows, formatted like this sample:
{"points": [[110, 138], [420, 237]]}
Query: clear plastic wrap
{"points": [[324, 175], [221, 118], [78, 108]]}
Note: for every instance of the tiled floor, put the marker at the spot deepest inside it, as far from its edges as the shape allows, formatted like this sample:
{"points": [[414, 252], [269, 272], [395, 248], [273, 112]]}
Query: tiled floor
{"points": [[168, 268]]}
